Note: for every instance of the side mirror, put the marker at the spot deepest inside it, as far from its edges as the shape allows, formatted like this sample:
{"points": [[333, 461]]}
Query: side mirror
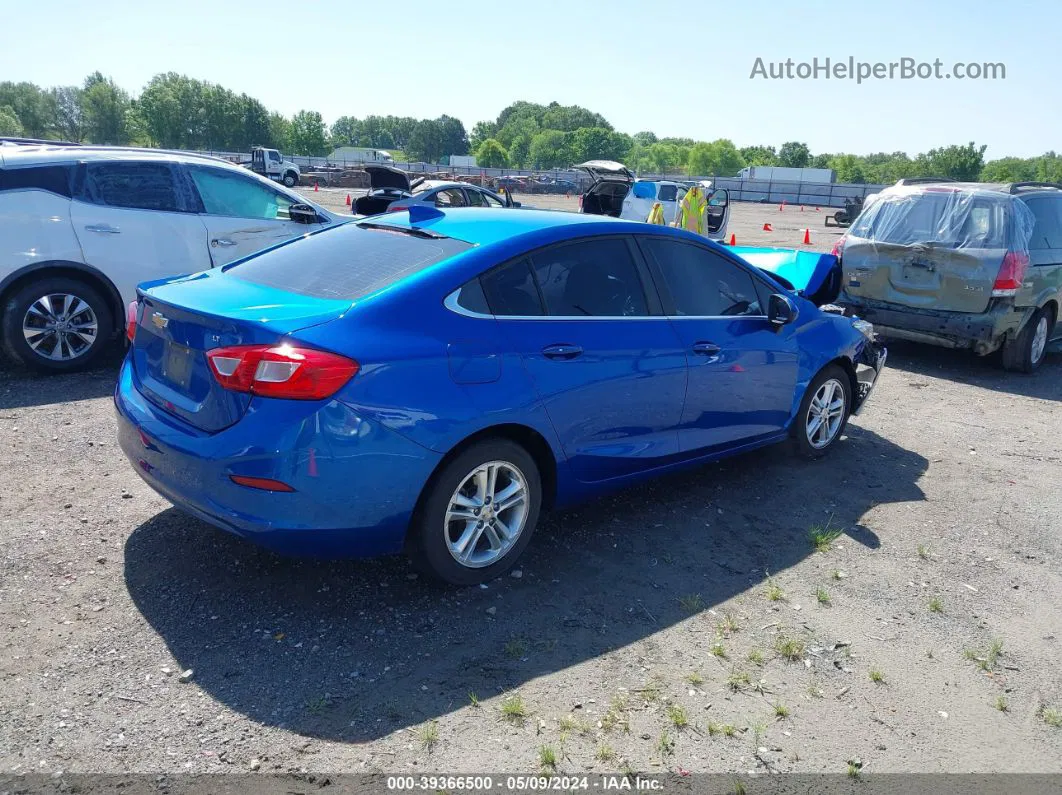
{"points": [[303, 214], [517, 204], [780, 310]]}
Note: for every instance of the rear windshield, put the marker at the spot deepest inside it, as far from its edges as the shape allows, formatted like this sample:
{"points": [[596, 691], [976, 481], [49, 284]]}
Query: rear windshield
{"points": [[347, 262], [667, 193], [958, 219]]}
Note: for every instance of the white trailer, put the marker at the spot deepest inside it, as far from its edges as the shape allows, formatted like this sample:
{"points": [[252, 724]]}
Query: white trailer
{"points": [[816, 176], [359, 154]]}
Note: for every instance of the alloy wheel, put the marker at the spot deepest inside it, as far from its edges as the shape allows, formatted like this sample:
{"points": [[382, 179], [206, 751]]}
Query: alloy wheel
{"points": [[486, 515], [60, 326], [1039, 340], [825, 414]]}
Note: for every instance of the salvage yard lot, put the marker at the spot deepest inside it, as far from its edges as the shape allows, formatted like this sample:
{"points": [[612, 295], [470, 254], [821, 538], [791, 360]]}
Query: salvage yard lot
{"points": [[895, 603]]}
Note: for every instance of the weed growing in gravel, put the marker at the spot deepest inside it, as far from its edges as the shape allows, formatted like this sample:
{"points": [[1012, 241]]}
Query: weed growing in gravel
{"points": [[728, 729], [678, 717], [923, 552], [1001, 704], [728, 626], [877, 677], [695, 678], [815, 690], [651, 690], [838, 575], [792, 649], [547, 757], [935, 605], [853, 770], [516, 648], [738, 680], [692, 603], [986, 660], [473, 699], [755, 657], [717, 649], [822, 538], [666, 744], [317, 706], [822, 595], [1052, 717], [605, 753], [781, 711], [513, 709], [757, 733], [429, 735], [739, 788], [774, 591], [616, 717], [570, 723]]}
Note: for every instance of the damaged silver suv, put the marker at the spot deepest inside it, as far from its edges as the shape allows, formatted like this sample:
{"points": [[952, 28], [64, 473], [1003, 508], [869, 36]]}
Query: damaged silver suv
{"points": [[962, 265]]}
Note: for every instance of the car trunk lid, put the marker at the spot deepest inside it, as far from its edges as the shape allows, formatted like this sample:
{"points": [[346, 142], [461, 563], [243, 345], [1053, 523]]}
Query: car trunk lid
{"points": [[387, 177], [814, 275], [606, 169], [174, 333]]}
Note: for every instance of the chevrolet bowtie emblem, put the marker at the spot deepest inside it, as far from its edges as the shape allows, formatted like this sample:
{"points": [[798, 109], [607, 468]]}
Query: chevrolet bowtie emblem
{"points": [[160, 320]]}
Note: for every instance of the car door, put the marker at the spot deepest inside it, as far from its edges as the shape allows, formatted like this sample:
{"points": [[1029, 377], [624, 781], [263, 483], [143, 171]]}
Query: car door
{"points": [[742, 369], [718, 212], [606, 364], [135, 222], [241, 214], [1043, 277]]}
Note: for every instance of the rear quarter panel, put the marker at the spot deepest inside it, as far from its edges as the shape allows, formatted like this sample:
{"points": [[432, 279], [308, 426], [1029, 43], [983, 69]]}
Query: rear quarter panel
{"points": [[35, 227]]}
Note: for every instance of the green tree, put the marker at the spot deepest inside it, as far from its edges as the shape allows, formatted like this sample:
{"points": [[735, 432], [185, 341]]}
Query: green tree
{"points": [[597, 143], [9, 123], [308, 135], [849, 168], [759, 155], [664, 157], [32, 106], [346, 131], [104, 107], [645, 138], [962, 163], [279, 132], [718, 158], [519, 151], [425, 142], [69, 119], [794, 154], [820, 161], [255, 124], [491, 154], [481, 131], [549, 149], [454, 137]]}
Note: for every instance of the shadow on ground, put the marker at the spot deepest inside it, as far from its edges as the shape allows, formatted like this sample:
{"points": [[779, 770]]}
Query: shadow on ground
{"points": [[354, 650], [21, 388], [983, 371]]}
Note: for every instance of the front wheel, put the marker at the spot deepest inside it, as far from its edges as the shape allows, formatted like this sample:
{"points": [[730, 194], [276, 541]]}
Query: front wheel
{"points": [[478, 514], [1025, 352], [823, 412], [290, 180]]}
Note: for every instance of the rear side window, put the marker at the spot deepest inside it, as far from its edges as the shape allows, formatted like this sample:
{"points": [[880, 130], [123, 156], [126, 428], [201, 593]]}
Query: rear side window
{"points": [[667, 193], [590, 278], [701, 283], [1047, 231], [347, 262], [140, 186], [54, 179], [511, 290]]}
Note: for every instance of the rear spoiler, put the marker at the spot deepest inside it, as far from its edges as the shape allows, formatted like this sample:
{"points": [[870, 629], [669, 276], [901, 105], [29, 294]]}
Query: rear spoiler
{"points": [[1014, 187]]}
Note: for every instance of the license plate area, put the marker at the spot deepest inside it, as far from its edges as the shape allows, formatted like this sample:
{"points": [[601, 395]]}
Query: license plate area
{"points": [[177, 364]]}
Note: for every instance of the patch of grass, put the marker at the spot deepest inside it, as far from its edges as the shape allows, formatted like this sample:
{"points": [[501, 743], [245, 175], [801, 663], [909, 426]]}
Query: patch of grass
{"points": [[570, 723], [728, 729], [935, 605], [774, 592], [838, 575], [791, 649], [822, 595], [755, 657], [815, 690], [728, 626], [678, 717], [1052, 717], [650, 691], [605, 753], [473, 699], [665, 744], [429, 735], [616, 717], [547, 757], [317, 705], [781, 711], [1001, 704], [739, 788], [821, 537], [853, 769], [923, 551], [692, 603], [987, 659], [695, 678], [717, 649], [513, 708], [516, 648], [738, 680], [876, 676]]}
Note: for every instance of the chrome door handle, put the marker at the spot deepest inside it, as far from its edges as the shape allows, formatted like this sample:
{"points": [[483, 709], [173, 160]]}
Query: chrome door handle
{"points": [[222, 241], [105, 228], [706, 348]]}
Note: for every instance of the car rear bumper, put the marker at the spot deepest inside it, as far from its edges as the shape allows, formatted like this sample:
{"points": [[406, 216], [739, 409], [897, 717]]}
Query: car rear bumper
{"points": [[983, 332], [869, 364], [355, 482]]}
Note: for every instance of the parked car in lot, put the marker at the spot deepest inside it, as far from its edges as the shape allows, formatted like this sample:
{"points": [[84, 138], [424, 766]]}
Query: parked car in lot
{"points": [[391, 191], [960, 265], [615, 191], [432, 380], [81, 226]]}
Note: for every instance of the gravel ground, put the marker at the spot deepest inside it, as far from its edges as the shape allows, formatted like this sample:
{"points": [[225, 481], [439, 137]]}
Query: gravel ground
{"points": [[686, 624]]}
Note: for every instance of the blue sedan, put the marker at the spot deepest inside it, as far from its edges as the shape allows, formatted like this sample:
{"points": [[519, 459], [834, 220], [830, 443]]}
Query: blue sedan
{"points": [[431, 380]]}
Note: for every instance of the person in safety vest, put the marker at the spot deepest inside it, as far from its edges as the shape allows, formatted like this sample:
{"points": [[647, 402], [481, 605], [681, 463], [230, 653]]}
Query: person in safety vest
{"points": [[692, 214], [656, 215]]}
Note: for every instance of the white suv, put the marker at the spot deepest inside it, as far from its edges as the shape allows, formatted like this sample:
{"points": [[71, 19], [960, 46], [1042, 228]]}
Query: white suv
{"points": [[81, 226]]}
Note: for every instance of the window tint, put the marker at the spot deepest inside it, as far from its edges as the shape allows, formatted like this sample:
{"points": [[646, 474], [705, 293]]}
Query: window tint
{"points": [[511, 290], [702, 283], [274, 156], [472, 298], [596, 278], [55, 179], [450, 197], [475, 198], [346, 262], [225, 193], [141, 186], [1047, 233], [490, 201], [667, 193]]}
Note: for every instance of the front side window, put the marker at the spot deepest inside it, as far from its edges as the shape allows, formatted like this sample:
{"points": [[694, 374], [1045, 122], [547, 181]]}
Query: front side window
{"points": [[590, 278], [274, 156], [234, 195], [138, 186], [490, 201], [475, 198], [700, 283]]}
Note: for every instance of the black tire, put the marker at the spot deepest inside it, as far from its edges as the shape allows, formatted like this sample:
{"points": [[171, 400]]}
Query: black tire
{"points": [[1018, 352], [429, 530], [799, 430], [291, 179], [17, 306]]}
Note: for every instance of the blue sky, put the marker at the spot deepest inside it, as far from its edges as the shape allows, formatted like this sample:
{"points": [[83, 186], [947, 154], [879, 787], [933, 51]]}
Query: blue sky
{"points": [[642, 65]]}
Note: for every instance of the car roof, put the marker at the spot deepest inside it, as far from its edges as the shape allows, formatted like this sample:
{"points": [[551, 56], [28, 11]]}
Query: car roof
{"points": [[926, 184], [52, 154]]}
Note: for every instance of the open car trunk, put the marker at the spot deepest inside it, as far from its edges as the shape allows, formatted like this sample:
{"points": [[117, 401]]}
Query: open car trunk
{"points": [[386, 184], [610, 183]]}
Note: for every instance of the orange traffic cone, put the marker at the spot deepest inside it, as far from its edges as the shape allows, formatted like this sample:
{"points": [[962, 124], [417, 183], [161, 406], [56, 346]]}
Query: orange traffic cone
{"points": [[816, 209], [781, 207], [767, 228], [802, 208], [315, 186], [348, 200], [733, 239], [807, 237]]}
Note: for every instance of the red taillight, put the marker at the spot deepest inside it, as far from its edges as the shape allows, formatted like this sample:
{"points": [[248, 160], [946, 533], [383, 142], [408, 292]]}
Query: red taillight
{"points": [[281, 371], [392, 209], [1011, 274], [265, 484], [838, 247], [130, 319]]}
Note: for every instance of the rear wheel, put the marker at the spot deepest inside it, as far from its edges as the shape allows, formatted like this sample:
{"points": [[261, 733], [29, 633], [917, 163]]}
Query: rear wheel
{"points": [[57, 325], [1025, 352], [823, 412], [478, 514]]}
